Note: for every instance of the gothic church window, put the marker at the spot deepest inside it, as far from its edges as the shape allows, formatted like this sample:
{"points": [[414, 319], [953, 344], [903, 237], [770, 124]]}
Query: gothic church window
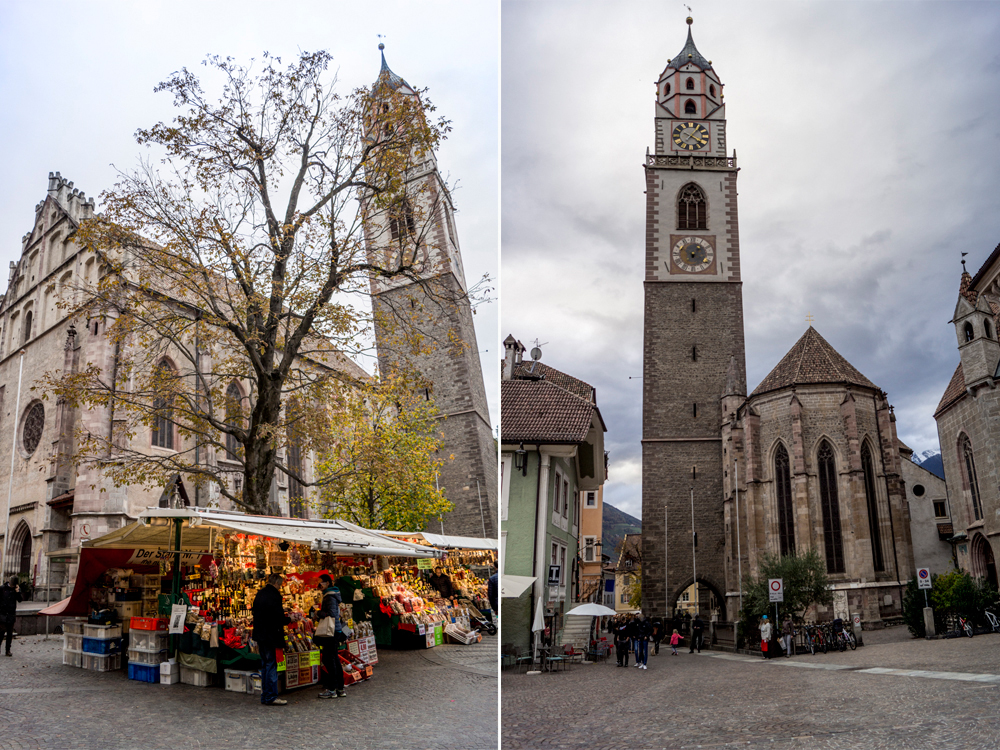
{"points": [[971, 478], [692, 210], [830, 502], [690, 84], [163, 426], [969, 332], [873, 523], [234, 418], [27, 327], [34, 423], [783, 491], [401, 224], [690, 108]]}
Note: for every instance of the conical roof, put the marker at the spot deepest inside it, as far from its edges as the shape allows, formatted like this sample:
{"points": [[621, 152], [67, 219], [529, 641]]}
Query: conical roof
{"points": [[386, 75], [812, 360], [689, 54]]}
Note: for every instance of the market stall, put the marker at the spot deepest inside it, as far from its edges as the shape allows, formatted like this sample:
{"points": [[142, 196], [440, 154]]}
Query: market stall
{"points": [[204, 568]]}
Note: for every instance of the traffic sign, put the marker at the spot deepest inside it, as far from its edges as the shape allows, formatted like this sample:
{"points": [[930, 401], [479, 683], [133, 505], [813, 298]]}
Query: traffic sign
{"points": [[776, 589], [923, 578]]}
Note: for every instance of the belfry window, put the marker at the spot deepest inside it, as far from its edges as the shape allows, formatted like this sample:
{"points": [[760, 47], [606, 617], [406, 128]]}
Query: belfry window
{"points": [[689, 85], [969, 331], [830, 501], [690, 108], [970, 477], [666, 91], [691, 209], [986, 329], [873, 524], [783, 491], [711, 90], [401, 222]]}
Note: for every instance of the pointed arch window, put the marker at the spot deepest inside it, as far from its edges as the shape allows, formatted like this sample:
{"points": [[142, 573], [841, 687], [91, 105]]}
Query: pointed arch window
{"points": [[874, 528], [234, 418], [27, 327], [692, 208], [830, 501], [783, 491], [970, 476], [401, 223], [689, 84], [987, 330], [970, 332], [163, 425], [690, 108]]}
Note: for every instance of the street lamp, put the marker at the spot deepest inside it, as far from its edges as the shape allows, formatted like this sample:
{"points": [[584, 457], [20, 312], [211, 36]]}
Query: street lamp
{"points": [[521, 460]]}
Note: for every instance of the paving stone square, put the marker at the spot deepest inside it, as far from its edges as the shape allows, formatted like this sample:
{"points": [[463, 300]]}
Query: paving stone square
{"points": [[443, 698], [895, 692]]}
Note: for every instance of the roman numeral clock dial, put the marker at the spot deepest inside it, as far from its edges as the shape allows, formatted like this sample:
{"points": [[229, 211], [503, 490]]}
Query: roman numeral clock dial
{"points": [[690, 136], [693, 254]]}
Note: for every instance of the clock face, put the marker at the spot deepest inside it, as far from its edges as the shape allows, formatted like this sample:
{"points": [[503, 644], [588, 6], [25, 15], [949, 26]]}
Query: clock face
{"points": [[693, 254], [690, 136]]}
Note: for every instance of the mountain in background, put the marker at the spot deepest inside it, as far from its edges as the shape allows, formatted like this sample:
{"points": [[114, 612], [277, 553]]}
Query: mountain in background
{"points": [[930, 460], [616, 524]]}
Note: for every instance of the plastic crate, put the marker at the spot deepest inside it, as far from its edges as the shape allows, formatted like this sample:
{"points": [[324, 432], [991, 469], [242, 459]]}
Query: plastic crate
{"points": [[149, 623], [102, 662], [144, 672], [73, 627], [169, 679], [102, 632], [101, 645], [147, 640], [194, 677], [146, 657], [72, 642], [72, 658]]}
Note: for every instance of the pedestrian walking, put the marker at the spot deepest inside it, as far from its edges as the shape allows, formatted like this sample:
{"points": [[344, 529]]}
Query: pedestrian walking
{"points": [[658, 634], [269, 620], [622, 642], [765, 635], [697, 633], [643, 632], [787, 635], [675, 638], [329, 643], [10, 595]]}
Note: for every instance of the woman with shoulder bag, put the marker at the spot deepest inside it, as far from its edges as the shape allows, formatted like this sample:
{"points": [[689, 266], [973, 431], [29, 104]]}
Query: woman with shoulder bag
{"points": [[329, 635]]}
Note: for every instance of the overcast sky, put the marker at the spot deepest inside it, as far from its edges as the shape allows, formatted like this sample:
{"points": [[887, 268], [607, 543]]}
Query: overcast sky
{"points": [[868, 143], [77, 81]]}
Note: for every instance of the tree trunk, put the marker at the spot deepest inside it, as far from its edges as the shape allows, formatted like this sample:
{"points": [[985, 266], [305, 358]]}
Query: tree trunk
{"points": [[260, 450]]}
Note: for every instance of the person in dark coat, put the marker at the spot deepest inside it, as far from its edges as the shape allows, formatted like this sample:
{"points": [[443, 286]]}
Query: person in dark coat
{"points": [[329, 646], [269, 620], [442, 583], [658, 633], [623, 640], [643, 630], [10, 595], [697, 633], [492, 586]]}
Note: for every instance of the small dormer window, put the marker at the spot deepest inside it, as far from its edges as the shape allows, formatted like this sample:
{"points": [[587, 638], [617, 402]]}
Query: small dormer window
{"points": [[690, 108], [969, 332], [986, 329], [711, 90], [690, 84]]}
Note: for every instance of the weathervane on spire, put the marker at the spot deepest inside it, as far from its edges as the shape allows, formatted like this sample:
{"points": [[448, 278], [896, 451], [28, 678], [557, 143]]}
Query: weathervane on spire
{"points": [[963, 262]]}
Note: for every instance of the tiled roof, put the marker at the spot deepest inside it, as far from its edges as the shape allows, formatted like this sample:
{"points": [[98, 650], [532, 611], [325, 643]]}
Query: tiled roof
{"points": [[954, 391], [812, 360], [965, 288], [689, 54], [385, 74], [552, 375], [986, 265], [538, 411]]}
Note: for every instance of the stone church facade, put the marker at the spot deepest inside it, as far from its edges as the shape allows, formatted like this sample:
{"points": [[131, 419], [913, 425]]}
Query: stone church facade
{"points": [[810, 460]]}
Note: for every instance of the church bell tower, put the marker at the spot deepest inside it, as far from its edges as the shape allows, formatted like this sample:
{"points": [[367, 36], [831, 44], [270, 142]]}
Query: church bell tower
{"points": [[693, 351]]}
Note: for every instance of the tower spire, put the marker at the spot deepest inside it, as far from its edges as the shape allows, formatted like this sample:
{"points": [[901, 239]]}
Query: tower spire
{"points": [[690, 53], [386, 75]]}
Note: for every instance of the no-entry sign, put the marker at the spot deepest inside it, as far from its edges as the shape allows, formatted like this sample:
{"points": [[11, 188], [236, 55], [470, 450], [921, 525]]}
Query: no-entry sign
{"points": [[923, 578], [776, 589]]}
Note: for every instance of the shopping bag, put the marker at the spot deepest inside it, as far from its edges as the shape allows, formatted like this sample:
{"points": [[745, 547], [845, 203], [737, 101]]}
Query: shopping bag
{"points": [[327, 628]]}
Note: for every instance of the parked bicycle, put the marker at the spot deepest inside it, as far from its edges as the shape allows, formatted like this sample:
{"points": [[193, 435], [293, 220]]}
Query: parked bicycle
{"points": [[994, 622], [964, 626], [814, 639]]}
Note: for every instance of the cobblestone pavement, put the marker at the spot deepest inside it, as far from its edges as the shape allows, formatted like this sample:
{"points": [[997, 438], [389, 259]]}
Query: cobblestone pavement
{"points": [[411, 703], [895, 692]]}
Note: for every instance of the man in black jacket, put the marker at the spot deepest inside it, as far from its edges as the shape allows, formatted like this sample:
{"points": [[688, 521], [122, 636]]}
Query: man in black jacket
{"points": [[442, 583], [622, 641], [269, 620], [10, 595], [697, 632], [657, 623]]}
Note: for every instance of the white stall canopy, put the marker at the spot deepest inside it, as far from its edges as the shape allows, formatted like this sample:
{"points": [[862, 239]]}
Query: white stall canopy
{"points": [[442, 541]]}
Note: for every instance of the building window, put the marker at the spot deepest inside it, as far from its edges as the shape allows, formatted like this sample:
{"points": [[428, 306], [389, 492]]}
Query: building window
{"points": [[666, 91], [971, 478], [918, 490], [565, 495], [589, 547], [163, 426], [27, 327], [783, 491], [690, 108], [401, 224], [591, 500], [874, 529], [234, 418], [940, 510], [969, 332], [830, 502], [296, 502], [986, 329], [711, 90], [685, 597], [692, 211], [34, 423], [689, 84]]}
